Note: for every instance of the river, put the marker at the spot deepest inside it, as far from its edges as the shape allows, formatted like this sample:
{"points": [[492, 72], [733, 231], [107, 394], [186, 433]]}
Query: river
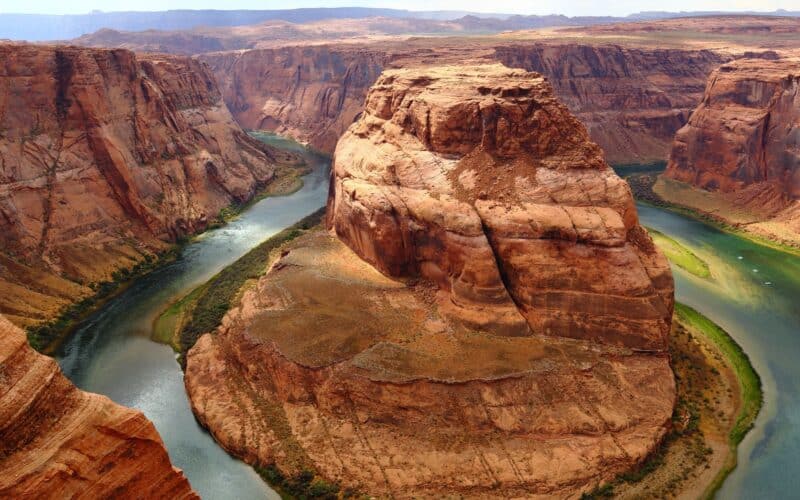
{"points": [[754, 293], [112, 354]]}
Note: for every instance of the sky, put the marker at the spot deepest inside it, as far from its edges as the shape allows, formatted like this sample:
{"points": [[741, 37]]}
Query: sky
{"points": [[567, 7]]}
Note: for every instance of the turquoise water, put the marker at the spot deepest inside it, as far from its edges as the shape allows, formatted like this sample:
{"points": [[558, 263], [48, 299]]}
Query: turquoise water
{"points": [[112, 353], [754, 294]]}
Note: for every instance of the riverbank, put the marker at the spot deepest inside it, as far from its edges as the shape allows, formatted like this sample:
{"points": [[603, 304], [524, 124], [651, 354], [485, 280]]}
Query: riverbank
{"points": [[643, 181], [680, 255], [719, 397], [201, 311], [48, 336]]}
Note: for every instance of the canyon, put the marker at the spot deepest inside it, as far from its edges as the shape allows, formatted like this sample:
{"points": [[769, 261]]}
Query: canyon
{"points": [[738, 157], [633, 84], [632, 100], [59, 442], [107, 158], [469, 217]]}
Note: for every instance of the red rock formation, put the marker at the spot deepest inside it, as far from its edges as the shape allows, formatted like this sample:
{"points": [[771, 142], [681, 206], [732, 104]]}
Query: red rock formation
{"points": [[311, 93], [530, 359], [743, 141], [632, 100], [104, 157], [59, 442], [479, 179]]}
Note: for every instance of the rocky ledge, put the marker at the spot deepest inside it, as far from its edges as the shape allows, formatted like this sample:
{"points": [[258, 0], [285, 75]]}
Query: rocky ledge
{"points": [[741, 147], [59, 442], [486, 317]]}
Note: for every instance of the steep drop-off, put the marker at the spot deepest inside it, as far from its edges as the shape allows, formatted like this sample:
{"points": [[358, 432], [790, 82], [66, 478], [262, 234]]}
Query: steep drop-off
{"points": [[473, 220], [742, 146], [59, 442], [104, 158], [632, 100], [310, 93]]}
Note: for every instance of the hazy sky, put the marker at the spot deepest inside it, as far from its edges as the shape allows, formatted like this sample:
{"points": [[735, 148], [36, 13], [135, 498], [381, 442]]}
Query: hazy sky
{"points": [[568, 7]]}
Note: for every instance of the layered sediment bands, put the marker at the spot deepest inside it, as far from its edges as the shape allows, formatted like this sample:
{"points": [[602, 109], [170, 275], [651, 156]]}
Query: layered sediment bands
{"points": [[632, 100], [478, 179], [743, 142], [328, 365], [311, 93], [105, 157], [59, 442], [487, 320]]}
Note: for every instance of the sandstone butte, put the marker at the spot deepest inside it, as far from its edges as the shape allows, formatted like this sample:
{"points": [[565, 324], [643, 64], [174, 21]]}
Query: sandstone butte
{"points": [[105, 157], [742, 144], [484, 316], [59, 442]]}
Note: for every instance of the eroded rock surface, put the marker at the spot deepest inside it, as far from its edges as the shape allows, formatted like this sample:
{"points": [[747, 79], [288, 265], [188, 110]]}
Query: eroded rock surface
{"points": [[632, 100], [743, 143], [105, 157], [488, 320], [310, 93], [59, 442], [478, 179]]}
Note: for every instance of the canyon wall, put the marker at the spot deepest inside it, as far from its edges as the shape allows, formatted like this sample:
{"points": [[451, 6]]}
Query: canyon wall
{"points": [[104, 158], [310, 93], [59, 442], [488, 319], [632, 100], [742, 144]]}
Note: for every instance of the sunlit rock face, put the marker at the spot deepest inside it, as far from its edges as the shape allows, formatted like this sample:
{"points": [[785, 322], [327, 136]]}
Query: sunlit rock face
{"points": [[743, 140], [106, 156], [478, 179], [59, 442], [486, 317]]}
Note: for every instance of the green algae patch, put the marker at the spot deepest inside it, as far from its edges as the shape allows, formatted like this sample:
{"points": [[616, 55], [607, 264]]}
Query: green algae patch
{"points": [[680, 255]]}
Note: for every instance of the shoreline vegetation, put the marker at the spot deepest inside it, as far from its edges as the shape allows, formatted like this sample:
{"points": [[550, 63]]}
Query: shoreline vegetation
{"points": [[48, 336], [680, 255], [642, 179], [202, 309], [719, 396]]}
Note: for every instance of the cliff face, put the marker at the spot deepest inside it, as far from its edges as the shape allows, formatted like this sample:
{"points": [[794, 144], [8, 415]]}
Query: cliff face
{"points": [[478, 179], [474, 220], [631, 100], [311, 93], [59, 442], [743, 140], [104, 157]]}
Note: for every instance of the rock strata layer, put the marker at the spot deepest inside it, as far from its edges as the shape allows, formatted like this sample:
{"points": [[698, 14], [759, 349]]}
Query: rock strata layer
{"points": [[105, 157], [478, 179], [488, 319], [743, 144], [59, 442], [633, 100]]}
